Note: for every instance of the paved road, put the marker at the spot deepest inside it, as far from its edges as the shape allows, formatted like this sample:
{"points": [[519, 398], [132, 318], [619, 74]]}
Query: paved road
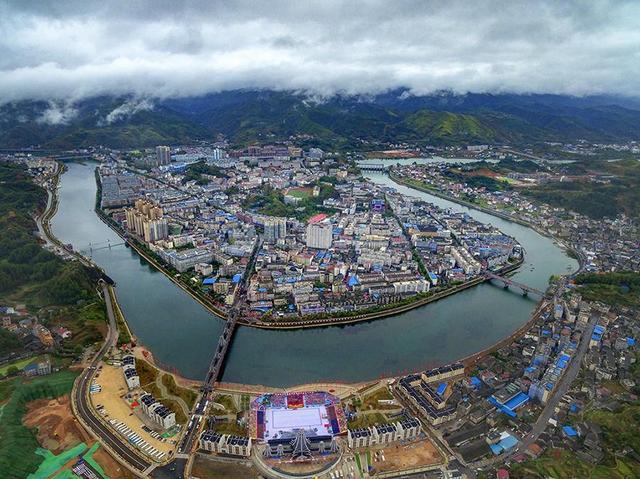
{"points": [[107, 436], [561, 389]]}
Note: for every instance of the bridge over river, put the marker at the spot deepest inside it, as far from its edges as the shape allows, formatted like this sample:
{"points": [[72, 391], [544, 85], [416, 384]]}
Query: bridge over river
{"points": [[507, 282]]}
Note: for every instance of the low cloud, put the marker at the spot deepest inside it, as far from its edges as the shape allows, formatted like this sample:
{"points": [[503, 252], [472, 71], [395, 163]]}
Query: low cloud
{"points": [[162, 49], [126, 110], [58, 113]]}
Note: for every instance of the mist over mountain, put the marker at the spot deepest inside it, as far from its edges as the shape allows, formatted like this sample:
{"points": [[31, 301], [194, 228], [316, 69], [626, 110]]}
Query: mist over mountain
{"points": [[246, 116], [124, 73]]}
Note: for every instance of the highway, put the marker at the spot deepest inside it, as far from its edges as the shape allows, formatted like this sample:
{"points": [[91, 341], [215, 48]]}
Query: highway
{"points": [[81, 400]]}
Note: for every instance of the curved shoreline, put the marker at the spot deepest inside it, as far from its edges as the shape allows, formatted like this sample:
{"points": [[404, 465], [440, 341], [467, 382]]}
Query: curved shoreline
{"points": [[498, 214], [302, 323], [506, 340]]}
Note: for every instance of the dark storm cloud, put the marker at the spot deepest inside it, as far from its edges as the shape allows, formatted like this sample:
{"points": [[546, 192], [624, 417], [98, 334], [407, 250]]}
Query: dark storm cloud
{"points": [[73, 49]]}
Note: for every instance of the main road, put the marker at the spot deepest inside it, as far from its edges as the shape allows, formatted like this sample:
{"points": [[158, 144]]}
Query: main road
{"points": [[556, 396], [85, 412]]}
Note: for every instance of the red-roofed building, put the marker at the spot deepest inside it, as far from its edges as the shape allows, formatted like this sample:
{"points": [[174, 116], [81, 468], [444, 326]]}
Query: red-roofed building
{"points": [[317, 218], [502, 474]]}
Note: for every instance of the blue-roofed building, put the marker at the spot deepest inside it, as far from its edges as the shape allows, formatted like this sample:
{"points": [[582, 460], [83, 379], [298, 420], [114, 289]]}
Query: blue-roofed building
{"points": [[209, 281], [507, 442], [568, 431], [475, 382], [236, 278]]}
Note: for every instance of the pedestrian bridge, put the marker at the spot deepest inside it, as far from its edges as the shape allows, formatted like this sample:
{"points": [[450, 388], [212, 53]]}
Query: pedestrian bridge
{"points": [[93, 247]]}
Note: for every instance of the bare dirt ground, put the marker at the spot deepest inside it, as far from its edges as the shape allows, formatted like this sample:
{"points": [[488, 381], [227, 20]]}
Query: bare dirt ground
{"points": [[58, 430], [111, 466], [407, 456], [205, 468]]}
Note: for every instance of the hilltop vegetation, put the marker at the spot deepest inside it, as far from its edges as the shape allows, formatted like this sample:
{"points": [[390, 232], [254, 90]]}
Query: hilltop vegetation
{"points": [[621, 288], [270, 202], [337, 122], [196, 171], [451, 127], [27, 271], [621, 194]]}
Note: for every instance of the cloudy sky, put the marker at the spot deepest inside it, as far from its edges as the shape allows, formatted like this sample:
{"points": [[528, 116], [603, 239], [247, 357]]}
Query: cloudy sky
{"points": [[74, 49]]}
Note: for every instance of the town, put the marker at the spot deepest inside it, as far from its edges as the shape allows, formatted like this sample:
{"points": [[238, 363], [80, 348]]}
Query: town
{"points": [[328, 242], [283, 236]]}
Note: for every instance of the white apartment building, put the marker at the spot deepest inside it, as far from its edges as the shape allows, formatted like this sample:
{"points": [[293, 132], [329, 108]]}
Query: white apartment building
{"points": [[319, 235]]}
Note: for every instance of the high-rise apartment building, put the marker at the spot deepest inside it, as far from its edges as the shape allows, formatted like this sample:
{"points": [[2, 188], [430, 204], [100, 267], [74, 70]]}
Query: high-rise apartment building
{"points": [[275, 229], [163, 155], [319, 235], [155, 230], [145, 219]]}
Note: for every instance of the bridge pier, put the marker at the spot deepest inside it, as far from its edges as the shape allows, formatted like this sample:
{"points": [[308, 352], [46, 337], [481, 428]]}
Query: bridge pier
{"points": [[506, 282]]}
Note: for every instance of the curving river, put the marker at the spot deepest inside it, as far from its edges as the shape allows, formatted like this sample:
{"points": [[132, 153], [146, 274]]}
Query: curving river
{"points": [[182, 334]]}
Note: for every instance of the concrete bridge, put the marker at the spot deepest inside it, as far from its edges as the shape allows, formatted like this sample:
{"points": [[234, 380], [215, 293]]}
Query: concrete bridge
{"points": [[506, 283], [372, 167]]}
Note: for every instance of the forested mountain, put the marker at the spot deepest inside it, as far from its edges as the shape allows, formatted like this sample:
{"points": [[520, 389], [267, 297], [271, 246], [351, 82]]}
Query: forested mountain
{"points": [[348, 121]]}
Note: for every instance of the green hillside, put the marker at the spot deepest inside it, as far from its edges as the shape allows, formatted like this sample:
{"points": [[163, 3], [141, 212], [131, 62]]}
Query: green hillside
{"points": [[338, 122]]}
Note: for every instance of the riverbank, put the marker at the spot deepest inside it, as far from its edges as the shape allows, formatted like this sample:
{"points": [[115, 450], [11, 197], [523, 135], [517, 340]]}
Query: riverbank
{"points": [[493, 212], [391, 310], [130, 242], [44, 220]]}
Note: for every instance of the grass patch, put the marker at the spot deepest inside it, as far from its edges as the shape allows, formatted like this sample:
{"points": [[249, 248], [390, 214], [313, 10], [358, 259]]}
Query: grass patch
{"points": [[187, 395], [227, 402], [123, 332], [367, 420], [20, 364], [18, 444], [371, 401], [146, 372], [561, 464], [230, 427]]}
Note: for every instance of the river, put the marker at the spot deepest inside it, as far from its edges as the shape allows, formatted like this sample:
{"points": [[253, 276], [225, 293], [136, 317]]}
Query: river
{"points": [[182, 334]]}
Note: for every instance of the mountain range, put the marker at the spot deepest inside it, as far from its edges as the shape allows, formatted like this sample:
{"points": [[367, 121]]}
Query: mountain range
{"points": [[341, 121]]}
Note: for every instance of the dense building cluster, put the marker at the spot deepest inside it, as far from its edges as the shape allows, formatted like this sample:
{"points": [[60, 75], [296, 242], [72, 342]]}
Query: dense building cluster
{"points": [[327, 242], [607, 244]]}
